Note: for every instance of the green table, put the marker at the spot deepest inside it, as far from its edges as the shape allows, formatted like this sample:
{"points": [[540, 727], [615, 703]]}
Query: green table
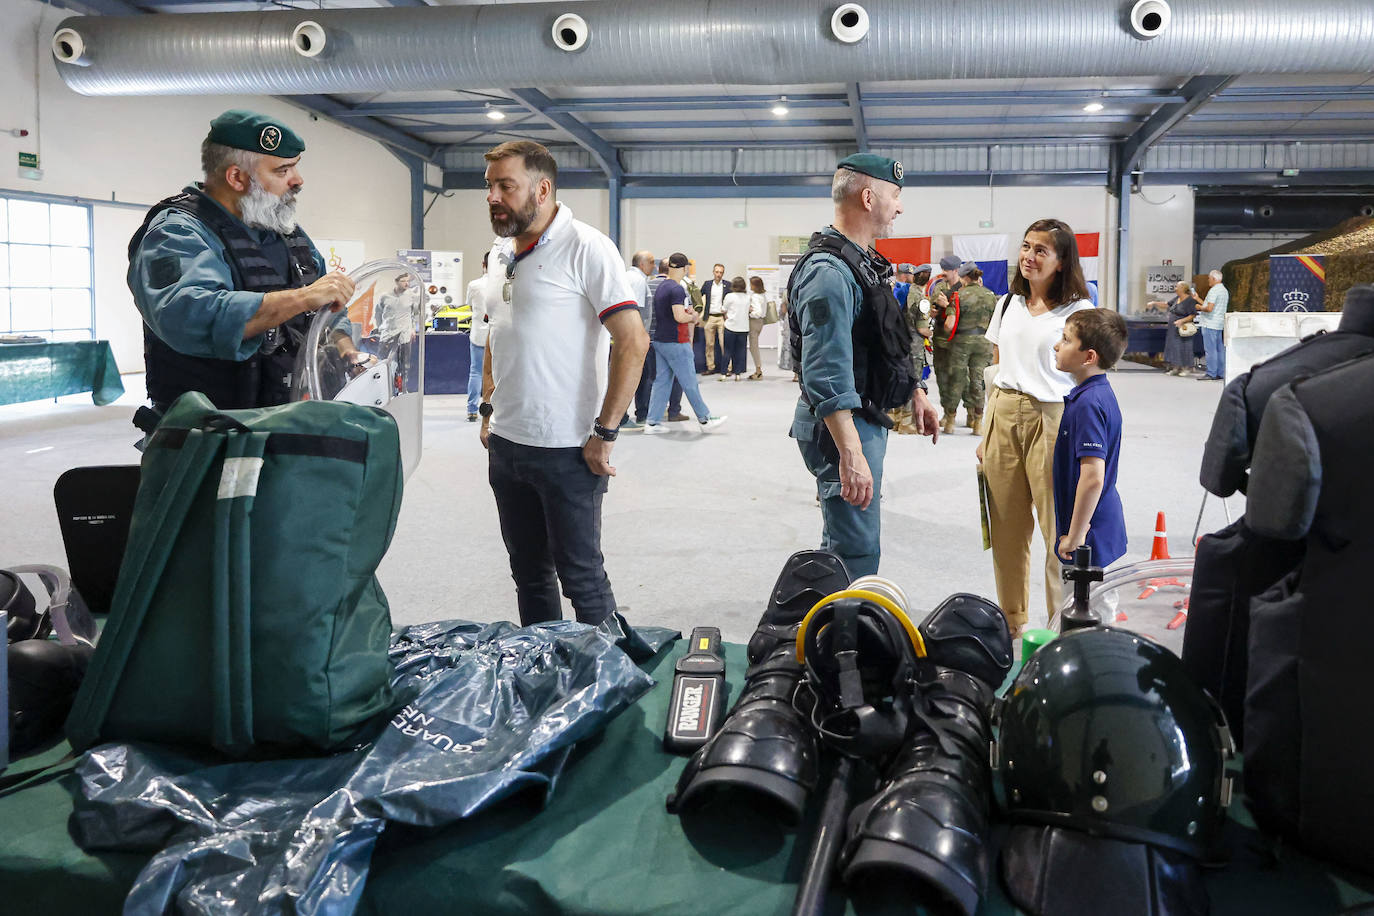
{"points": [[603, 846], [34, 372]]}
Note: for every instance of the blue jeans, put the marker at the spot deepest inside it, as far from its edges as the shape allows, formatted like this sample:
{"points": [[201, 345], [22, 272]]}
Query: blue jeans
{"points": [[674, 360], [852, 533], [736, 352], [1214, 344], [549, 504], [475, 354]]}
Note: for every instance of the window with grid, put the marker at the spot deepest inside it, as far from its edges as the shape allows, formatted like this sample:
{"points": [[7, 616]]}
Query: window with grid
{"points": [[45, 269]]}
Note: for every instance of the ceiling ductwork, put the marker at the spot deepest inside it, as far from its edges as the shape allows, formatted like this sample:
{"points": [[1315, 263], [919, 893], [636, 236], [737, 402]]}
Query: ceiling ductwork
{"points": [[728, 42]]}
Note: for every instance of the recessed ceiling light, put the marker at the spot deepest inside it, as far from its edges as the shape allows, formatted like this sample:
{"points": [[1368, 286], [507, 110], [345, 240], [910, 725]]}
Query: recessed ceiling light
{"points": [[1093, 106], [780, 107], [495, 114]]}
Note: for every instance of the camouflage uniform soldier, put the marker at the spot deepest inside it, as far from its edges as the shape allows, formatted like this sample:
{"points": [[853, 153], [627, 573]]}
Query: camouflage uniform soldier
{"points": [[919, 323], [970, 352], [941, 310]]}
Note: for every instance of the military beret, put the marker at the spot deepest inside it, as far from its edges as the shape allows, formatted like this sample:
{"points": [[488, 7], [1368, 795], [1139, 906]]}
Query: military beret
{"points": [[968, 268], [905, 268], [951, 262], [879, 167], [256, 133]]}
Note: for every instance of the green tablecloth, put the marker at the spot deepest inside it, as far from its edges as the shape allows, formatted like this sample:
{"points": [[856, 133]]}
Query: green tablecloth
{"points": [[33, 372], [604, 845]]}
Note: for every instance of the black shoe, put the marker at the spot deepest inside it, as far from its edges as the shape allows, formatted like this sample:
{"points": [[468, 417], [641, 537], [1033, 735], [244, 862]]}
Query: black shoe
{"points": [[678, 417], [472, 418]]}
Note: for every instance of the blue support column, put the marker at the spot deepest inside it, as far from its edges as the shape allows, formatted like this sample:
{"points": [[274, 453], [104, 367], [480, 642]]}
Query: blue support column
{"points": [[417, 203], [613, 223], [1123, 238]]}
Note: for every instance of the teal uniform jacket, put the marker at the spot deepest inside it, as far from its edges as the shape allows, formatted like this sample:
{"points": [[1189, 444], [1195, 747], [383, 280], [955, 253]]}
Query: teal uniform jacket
{"points": [[193, 306], [827, 299]]}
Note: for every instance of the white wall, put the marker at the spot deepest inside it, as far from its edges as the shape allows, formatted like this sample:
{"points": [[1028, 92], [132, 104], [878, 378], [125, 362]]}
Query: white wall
{"points": [[1161, 228], [1217, 251], [140, 150]]}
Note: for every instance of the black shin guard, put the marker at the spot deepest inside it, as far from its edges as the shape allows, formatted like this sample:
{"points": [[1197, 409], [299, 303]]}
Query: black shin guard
{"points": [[765, 747], [929, 820]]}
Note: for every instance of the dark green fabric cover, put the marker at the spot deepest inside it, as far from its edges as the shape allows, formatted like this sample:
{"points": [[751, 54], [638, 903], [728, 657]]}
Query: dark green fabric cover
{"points": [[603, 846], [247, 616], [33, 372]]}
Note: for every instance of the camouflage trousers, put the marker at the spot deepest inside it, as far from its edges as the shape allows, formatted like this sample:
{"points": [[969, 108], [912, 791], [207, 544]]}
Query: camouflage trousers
{"points": [[966, 358], [939, 364]]}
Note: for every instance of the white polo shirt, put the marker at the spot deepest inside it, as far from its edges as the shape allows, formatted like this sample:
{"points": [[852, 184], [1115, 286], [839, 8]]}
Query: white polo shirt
{"points": [[479, 293], [1025, 348], [549, 351]]}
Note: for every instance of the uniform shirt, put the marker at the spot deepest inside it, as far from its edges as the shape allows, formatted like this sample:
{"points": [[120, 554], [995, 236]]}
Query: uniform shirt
{"points": [[1090, 428], [938, 314], [195, 308], [826, 300], [1218, 298], [666, 326], [976, 307], [639, 288], [479, 292], [549, 351], [1025, 348]]}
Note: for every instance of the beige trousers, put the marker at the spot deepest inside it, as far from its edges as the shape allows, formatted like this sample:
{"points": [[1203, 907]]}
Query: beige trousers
{"points": [[755, 328], [715, 331], [1018, 460]]}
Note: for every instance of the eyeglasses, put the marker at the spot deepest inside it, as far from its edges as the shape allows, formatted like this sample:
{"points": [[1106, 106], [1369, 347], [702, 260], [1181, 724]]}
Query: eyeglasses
{"points": [[510, 276]]}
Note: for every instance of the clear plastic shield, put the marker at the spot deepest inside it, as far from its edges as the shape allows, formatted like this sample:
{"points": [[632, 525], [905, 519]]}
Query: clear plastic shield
{"points": [[1149, 598], [372, 351]]}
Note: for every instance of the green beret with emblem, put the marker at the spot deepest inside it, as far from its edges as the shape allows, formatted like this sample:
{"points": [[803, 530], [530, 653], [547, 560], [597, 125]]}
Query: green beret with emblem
{"points": [[879, 167], [256, 133]]}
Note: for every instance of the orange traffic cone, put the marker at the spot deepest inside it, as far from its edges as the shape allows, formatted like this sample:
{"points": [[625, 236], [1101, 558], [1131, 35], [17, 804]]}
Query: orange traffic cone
{"points": [[1160, 549]]}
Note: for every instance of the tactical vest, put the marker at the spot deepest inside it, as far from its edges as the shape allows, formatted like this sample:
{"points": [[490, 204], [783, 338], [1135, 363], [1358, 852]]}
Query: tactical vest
{"points": [[262, 380], [883, 372]]}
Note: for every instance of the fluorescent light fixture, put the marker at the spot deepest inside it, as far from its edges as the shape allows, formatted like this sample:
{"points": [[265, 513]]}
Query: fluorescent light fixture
{"points": [[495, 114], [1093, 106], [780, 107]]}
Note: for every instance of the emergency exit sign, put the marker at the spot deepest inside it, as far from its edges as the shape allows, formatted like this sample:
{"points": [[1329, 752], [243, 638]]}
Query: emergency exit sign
{"points": [[28, 160]]}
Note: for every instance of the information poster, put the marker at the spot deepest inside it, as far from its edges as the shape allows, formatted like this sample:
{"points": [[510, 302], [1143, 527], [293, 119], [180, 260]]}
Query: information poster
{"points": [[441, 272], [1159, 287], [341, 255]]}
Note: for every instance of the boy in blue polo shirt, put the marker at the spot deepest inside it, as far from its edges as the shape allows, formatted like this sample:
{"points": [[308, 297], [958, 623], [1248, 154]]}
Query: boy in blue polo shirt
{"points": [[1087, 509]]}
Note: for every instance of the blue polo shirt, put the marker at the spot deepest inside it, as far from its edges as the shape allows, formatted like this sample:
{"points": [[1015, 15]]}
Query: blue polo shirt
{"points": [[1090, 428]]}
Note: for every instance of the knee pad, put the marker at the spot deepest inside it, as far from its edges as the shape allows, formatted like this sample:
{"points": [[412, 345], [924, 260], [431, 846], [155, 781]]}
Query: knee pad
{"points": [[970, 634], [43, 679], [23, 620], [765, 748]]}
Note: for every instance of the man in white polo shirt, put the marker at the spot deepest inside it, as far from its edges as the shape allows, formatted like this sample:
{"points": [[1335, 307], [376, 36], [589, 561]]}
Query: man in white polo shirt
{"points": [[551, 407]]}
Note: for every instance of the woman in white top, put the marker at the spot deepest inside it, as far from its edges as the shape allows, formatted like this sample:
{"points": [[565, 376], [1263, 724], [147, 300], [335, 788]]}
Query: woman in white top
{"points": [[1023, 411], [736, 329], [758, 309]]}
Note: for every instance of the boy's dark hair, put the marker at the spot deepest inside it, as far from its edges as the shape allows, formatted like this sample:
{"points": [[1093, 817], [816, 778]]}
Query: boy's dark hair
{"points": [[1102, 330]]}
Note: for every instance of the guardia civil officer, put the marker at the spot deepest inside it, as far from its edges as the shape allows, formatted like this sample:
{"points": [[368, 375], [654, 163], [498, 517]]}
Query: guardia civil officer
{"points": [[224, 277], [853, 352]]}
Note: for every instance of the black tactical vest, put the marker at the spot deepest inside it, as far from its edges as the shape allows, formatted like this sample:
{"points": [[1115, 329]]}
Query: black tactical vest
{"points": [[263, 379], [882, 341]]}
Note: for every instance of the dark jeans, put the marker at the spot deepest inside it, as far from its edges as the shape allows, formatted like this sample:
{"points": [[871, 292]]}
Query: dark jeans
{"points": [[549, 504], [736, 351]]}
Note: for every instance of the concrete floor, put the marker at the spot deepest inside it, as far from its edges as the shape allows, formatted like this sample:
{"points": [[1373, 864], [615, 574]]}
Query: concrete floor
{"points": [[695, 526]]}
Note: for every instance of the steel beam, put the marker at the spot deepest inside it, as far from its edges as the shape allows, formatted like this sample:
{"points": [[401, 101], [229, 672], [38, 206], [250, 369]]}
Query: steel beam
{"points": [[856, 112], [1196, 92], [383, 133], [538, 104]]}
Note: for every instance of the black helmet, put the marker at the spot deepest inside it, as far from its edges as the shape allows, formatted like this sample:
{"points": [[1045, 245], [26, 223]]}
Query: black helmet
{"points": [[1104, 732]]}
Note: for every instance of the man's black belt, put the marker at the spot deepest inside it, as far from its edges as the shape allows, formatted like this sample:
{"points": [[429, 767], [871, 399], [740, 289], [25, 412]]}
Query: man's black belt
{"points": [[962, 332]]}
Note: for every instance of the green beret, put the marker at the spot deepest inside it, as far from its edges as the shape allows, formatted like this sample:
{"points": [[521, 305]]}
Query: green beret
{"points": [[256, 133], [879, 167]]}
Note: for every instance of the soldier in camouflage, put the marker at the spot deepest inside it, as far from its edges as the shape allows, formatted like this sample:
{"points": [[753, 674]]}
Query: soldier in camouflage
{"points": [[919, 323], [969, 350], [941, 313]]}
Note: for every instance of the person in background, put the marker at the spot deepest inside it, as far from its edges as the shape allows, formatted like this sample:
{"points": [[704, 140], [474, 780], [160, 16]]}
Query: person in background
{"points": [[393, 321], [673, 324], [758, 310], [637, 274], [675, 396], [713, 293], [1212, 321], [969, 350], [1178, 350], [1087, 508], [901, 282], [941, 308], [736, 330], [1021, 420], [476, 299], [785, 361]]}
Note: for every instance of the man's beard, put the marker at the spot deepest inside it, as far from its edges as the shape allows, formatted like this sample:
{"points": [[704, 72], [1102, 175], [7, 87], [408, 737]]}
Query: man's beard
{"points": [[261, 209], [515, 223]]}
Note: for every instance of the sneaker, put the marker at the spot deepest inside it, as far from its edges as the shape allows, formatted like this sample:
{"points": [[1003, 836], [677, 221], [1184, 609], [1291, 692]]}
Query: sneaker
{"points": [[654, 429], [472, 418], [678, 418], [712, 422], [631, 426]]}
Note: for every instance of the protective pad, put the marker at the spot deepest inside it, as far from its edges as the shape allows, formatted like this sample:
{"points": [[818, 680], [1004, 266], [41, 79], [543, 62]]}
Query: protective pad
{"points": [[1051, 871], [969, 633]]}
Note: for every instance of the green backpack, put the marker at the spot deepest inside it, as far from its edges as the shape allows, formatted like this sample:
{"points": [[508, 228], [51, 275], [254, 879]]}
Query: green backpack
{"points": [[247, 616]]}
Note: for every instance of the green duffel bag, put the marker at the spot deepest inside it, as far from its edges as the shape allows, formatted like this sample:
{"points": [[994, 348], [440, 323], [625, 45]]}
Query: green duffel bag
{"points": [[247, 616]]}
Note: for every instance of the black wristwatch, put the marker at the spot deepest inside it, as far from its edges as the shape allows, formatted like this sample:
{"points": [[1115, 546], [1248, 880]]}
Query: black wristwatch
{"points": [[484, 409], [604, 434], [922, 386]]}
